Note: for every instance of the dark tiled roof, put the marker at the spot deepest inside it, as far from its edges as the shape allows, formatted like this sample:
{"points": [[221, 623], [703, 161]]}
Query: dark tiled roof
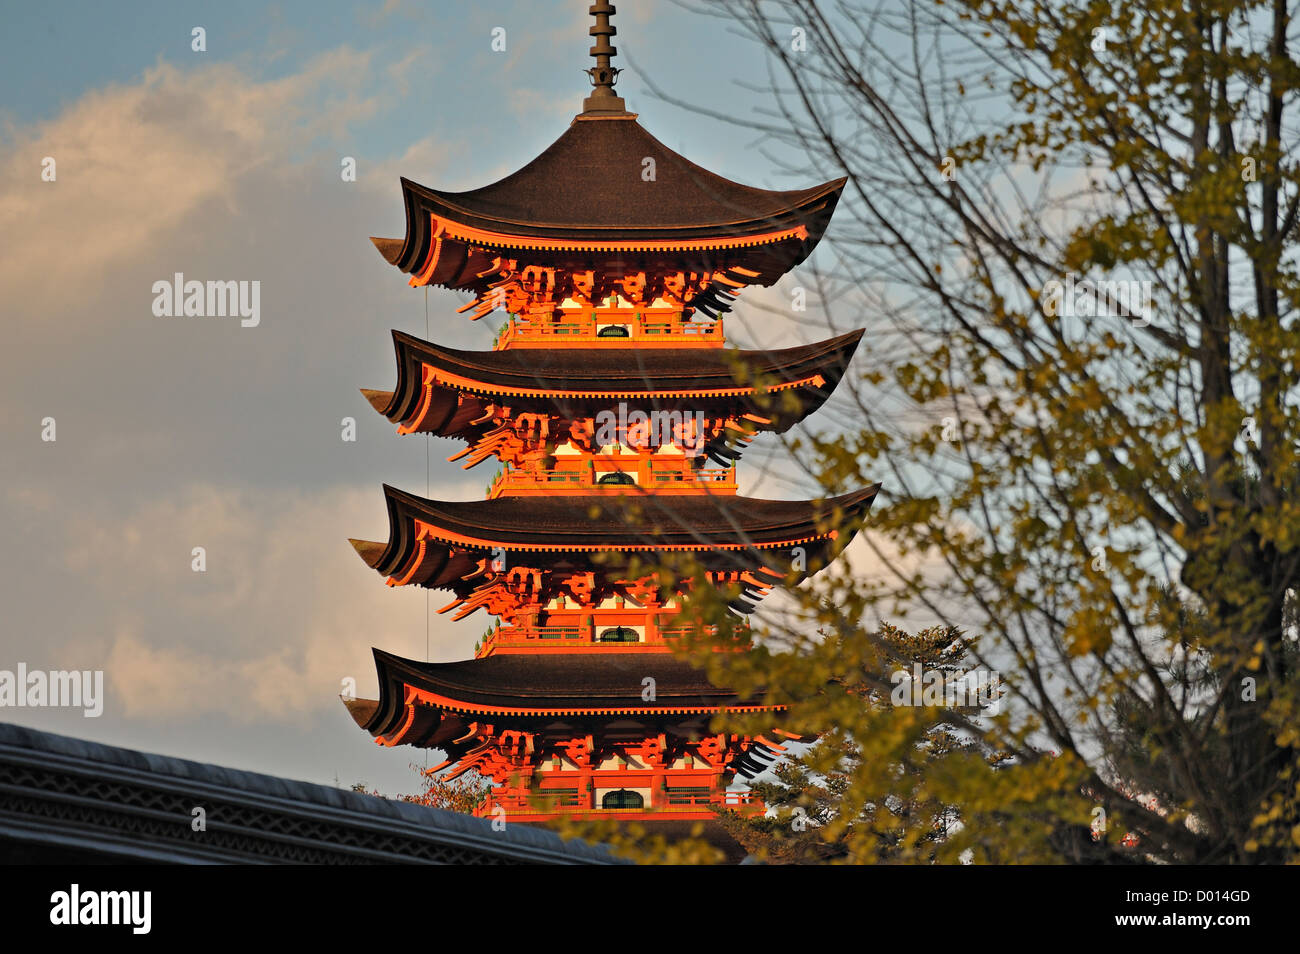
{"points": [[629, 521], [593, 182], [615, 371], [531, 691], [588, 188], [577, 382], [568, 682], [728, 533], [82, 801]]}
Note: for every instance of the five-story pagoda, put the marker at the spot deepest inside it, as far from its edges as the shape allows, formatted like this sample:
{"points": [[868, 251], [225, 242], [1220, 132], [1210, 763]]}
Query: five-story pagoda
{"points": [[617, 416]]}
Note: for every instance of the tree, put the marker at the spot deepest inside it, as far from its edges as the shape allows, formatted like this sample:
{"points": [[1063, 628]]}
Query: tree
{"points": [[462, 793], [1069, 226], [901, 821]]}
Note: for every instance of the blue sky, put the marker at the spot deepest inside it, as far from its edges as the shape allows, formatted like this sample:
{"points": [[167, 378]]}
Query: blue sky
{"points": [[509, 103], [174, 434]]}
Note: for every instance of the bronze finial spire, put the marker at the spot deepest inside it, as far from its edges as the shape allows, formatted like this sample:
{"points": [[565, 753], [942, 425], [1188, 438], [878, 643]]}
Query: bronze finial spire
{"points": [[603, 76]]}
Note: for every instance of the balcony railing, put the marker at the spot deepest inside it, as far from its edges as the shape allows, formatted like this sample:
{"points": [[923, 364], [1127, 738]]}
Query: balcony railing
{"points": [[573, 800], [561, 797], [586, 326], [555, 632], [715, 798], [706, 475], [539, 637], [519, 636], [656, 473]]}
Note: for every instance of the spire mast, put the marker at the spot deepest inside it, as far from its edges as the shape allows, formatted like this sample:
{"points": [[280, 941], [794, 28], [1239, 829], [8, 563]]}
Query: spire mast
{"points": [[603, 76]]}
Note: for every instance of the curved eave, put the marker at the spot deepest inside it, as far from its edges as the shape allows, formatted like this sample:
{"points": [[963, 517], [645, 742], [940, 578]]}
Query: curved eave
{"points": [[449, 255], [429, 377], [586, 193], [419, 704], [779, 211], [447, 247], [431, 216], [451, 704], [440, 544]]}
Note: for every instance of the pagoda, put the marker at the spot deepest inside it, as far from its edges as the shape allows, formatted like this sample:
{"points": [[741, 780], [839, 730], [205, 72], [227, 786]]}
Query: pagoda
{"points": [[616, 414]]}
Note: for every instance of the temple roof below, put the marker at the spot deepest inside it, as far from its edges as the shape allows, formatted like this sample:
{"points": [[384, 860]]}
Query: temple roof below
{"points": [[78, 802]]}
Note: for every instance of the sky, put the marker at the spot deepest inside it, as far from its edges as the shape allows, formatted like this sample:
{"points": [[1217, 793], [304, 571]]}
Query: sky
{"points": [[174, 433]]}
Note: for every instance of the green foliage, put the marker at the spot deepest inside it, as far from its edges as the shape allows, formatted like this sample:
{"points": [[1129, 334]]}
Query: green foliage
{"points": [[832, 804]]}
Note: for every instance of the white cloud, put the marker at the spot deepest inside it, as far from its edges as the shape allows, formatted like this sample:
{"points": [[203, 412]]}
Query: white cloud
{"points": [[137, 162], [422, 161], [284, 611]]}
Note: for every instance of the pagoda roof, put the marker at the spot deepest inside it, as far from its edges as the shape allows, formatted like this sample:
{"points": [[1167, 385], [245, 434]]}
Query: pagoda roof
{"points": [[570, 684], [579, 523], [586, 192], [447, 545], [554, 378], [455, 706]]}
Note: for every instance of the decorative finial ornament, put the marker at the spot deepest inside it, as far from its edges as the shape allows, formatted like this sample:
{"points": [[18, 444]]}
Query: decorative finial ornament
{"points": [[603, 76]]}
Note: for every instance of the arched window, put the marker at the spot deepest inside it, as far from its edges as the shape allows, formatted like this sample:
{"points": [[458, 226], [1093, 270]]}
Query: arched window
{"points": [[622, 799], [612, 331], [616, 477], [619, 634]]}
